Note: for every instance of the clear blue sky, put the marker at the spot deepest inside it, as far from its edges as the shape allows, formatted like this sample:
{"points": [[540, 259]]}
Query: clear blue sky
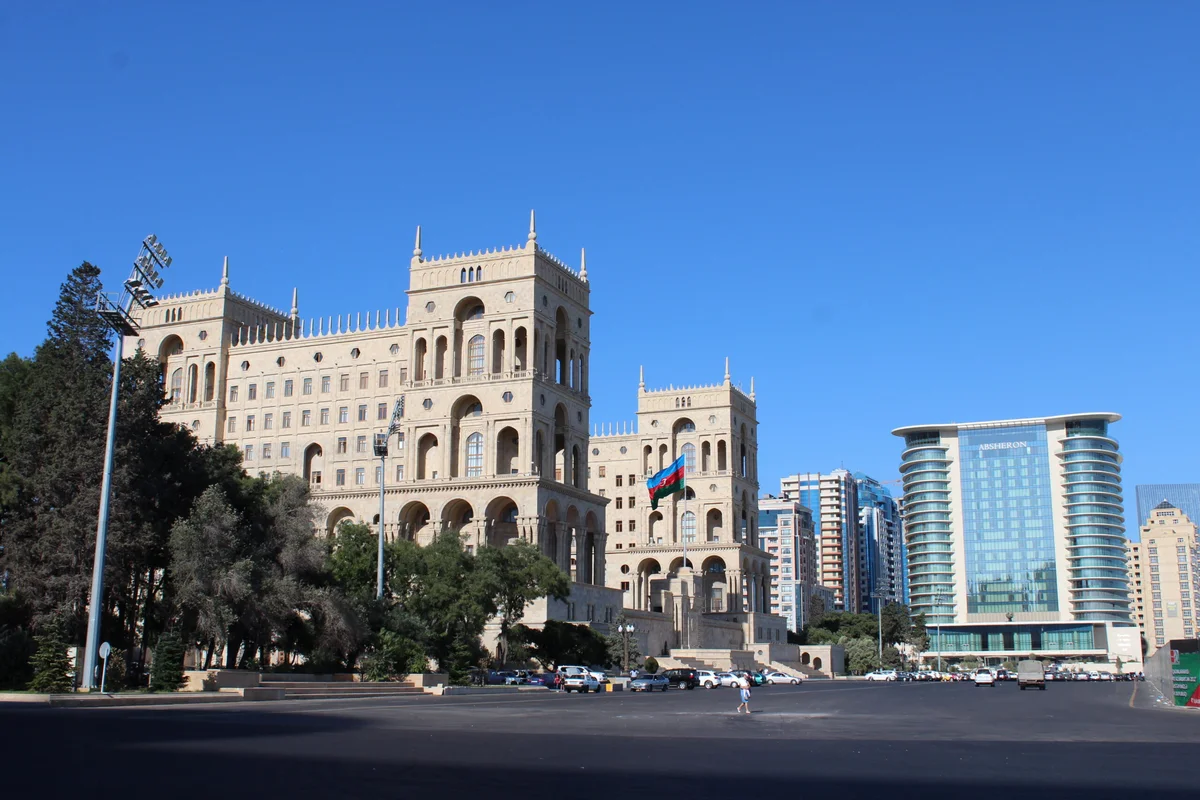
{"points": [[888, 213]]}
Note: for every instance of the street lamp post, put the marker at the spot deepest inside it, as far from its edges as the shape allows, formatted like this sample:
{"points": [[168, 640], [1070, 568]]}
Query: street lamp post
{"points": [[626, 631], [381, 450], [879, 617], [138, 291], [938, 599]]}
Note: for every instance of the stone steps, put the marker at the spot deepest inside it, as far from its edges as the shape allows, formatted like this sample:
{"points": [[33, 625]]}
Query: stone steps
{"points": [[322, 690]]}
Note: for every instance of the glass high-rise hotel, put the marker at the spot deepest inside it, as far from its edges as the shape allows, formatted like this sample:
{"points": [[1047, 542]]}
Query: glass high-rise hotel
{"points": [[1015, 537]]}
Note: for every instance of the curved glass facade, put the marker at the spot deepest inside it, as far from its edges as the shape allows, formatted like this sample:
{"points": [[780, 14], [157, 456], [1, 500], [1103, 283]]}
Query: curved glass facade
{"points": [[927, 525], [1096, 560]]}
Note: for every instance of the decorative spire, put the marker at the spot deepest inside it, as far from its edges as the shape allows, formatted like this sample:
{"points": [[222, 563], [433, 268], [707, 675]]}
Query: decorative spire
{"points": [[642, 378], [751, 387], [532, 227], [225, 273], [295, 303], [417, 246], [583, 264], [726, 369]]}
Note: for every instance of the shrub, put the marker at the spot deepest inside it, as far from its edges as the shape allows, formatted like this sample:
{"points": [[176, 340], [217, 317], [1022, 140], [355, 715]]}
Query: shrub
{"points": [[651, 664], [51, 666], [166, 673]]}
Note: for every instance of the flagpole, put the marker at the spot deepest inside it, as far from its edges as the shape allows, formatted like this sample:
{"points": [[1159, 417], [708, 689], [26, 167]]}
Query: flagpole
{"points": [[687, 623]]}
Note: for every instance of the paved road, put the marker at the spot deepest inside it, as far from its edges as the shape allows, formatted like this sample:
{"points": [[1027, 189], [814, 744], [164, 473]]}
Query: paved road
{"points": [[843, 740]]}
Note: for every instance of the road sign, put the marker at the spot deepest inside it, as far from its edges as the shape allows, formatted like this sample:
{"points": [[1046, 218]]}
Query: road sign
{"points": [[105, 649]]}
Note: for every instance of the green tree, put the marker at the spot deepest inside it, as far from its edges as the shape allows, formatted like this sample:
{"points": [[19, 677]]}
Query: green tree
{"points": [[51, 665], [564, 643], [513, 576], [615, 643], [166, 672], [895, 623], [917, 635], [861, 655]]}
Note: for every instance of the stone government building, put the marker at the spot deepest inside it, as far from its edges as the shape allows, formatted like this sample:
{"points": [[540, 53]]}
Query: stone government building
{"points": [[490, 367]]}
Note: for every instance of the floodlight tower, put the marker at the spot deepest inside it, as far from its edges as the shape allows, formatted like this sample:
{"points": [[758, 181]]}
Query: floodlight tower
{"points": [[139, 290]]}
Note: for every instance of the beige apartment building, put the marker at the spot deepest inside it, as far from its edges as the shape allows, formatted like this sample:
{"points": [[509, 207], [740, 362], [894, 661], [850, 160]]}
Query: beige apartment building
{"points": [[1165, 566]]}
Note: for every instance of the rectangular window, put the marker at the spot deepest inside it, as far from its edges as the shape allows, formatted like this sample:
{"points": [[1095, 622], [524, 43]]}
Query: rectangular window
{"points": [[268, 421], [620, 526], [341, 444], [619, 502], [324, 416], [360, 476], [285, 449], [360, 444], [270, 390], [286, 422], [403, 374], [382, 411], [232, 425], [399, 441], [619, 480], [266, 450], [252, 392], [399, 472], [632, 525], [340, 477], [378, 475], [326, 382], [343, 383], [632, 480], [249, 452], [364, 380], [383, 379], [362, 413], [288, 385], [307, 389], [630, 505], [601, 472], [233, 394], [344, 414], [305, 418]]}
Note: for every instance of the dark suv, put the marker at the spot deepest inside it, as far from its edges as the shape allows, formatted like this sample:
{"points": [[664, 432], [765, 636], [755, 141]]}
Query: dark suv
{"points": [[684, 678]]}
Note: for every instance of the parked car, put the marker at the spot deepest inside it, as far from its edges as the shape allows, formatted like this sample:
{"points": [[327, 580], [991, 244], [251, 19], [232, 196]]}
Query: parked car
{"points": [[600, 675], [1106, 676], [580, 682], [729, 679], [707, 678], [683, 677], [984, 677], [881, 675], [755, 678], [648, 683], [540, 679], [1030, 673], [516, 677], [779, 677]]}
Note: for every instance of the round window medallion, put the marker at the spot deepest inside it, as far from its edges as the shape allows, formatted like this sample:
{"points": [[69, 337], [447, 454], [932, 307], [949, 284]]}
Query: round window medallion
{"points": [[394, 349], [280, 361], [355, 353], [430, 306], [317, 356], [141, 343], [712, 487], [428, 404], [195, 424], [624, 449], [203, 335], [595, 451], [713, 419], [510, 297], [624, 569], [245, 366], [506, 397], [653, 423]]}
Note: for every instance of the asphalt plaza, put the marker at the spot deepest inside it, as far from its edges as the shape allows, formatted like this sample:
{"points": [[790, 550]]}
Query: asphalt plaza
{"points": [[849, 739]]}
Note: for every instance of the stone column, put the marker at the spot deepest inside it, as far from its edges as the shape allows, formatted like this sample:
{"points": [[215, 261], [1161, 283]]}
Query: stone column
{"points": [[576, 549], [447, 447], [598, 566]]}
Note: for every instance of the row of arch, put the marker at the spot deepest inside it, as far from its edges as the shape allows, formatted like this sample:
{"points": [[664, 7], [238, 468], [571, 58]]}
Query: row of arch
{"points": [[722, 590], [471, 274], [745, 466]]}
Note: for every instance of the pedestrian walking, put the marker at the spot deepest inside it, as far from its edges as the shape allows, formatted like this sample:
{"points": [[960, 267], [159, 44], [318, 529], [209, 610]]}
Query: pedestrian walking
{"points": [[744, 685]]}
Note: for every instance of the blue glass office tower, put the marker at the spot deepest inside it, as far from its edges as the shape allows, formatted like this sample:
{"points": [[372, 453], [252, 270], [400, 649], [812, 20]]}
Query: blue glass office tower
{"points": [[881, 545], [1015, 536], [1184, 496]]}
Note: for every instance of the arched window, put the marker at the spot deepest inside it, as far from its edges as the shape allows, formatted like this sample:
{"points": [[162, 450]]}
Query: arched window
{"points": [[689, 457], [471, 275], [474, 455], [689, 527], [474, 410], [177, 385], [475, 355], [193, 383], [479, 273], [462, 276], [475, 313]]}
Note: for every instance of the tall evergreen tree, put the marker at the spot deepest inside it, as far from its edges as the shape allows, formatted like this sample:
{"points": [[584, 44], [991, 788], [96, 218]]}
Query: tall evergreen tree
{"points": [[55, 450], [51, 666]]}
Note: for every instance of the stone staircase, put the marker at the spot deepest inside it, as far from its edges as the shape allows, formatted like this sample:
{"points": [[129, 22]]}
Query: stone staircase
{"points": [[329, 690]]}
